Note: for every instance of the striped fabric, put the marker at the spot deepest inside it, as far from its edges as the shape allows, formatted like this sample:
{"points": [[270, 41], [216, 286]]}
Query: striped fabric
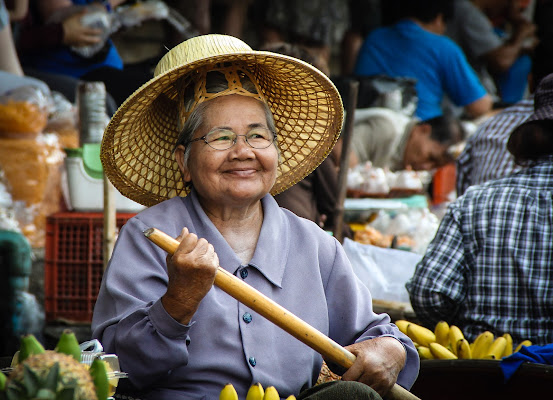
{"points": [[485, 156], [490, 266]]}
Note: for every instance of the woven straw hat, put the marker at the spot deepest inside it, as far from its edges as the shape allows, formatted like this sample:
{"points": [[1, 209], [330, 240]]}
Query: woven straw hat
{"points": [[138, 142]]}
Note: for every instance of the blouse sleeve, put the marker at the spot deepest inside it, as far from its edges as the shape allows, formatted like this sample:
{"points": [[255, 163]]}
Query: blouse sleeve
{"points": [[129, 319]]}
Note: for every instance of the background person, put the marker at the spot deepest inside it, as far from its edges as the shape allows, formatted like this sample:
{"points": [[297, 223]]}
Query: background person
{"points": [[415, 47], [389, 139], [502, 63], [174, 333], [48, 37], [489, 265]]}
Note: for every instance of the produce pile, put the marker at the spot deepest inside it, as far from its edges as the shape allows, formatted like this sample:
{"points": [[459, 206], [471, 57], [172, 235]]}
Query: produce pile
{"points": [[58, 374], [449, 343], [256, 392]]}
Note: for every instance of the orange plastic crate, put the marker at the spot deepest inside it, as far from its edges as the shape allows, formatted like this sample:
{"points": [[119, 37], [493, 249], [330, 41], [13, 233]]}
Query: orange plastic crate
{"points": [[444, 183], [74, 264]]}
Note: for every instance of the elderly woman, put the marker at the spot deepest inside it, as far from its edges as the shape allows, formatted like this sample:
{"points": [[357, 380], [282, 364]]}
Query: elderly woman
{"points": [[246, 124]]}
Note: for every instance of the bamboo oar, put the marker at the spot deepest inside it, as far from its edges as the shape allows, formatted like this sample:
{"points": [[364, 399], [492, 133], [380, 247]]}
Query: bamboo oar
{"points": [[277, 314]]}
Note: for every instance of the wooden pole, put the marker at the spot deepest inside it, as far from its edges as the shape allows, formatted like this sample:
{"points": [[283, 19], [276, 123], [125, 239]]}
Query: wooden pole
{"points": [[278, 315], [344, 161], [109, 221]]}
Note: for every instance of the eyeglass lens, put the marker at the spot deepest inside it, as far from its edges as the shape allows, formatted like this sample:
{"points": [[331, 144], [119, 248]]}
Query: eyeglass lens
{"points": [[223, 139]]}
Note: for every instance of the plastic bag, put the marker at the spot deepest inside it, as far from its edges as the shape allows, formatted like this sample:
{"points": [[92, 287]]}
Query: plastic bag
{"points": [[63, 121], [134, 14], [32, 167], [24, 110], [383, 271], [28, 316]]}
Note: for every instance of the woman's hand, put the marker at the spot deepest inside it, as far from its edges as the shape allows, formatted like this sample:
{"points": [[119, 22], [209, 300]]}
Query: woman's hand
{"points": [[378, 363], [191, 271], [76, 34]]}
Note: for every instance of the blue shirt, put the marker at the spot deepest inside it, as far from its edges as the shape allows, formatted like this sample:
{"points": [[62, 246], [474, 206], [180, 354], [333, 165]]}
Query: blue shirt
{"points": [[435, 61], [490, 265], [295, 263]]}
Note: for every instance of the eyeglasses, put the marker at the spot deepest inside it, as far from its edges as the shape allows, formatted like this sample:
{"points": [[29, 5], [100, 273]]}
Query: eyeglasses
{"points": [[224, 139]]}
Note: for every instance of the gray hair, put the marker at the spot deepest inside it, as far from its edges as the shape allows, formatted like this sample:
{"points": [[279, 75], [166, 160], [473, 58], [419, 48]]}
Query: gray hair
{"points": [[215, 82]]}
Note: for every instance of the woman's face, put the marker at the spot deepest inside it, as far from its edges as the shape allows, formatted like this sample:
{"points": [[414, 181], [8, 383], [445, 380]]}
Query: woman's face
{"points": [[241, 175]]}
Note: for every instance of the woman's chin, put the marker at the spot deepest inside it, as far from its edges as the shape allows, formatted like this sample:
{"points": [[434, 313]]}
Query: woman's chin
{"points": [[245, 196]]}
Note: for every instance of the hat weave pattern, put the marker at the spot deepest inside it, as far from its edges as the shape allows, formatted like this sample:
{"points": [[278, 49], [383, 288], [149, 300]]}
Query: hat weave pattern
{"points": [[138, 142]]}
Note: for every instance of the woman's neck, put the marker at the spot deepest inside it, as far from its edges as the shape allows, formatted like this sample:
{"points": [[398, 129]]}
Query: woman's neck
{"points": [[239, 227]]}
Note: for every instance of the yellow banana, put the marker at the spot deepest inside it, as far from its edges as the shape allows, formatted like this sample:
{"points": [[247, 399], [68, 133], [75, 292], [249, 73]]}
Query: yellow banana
{"points": [[441, 330], [523, 343], [271, 394], [425, 353], [463, 349], [255, 392], [402, 325], [509, 346], [420, 334], [497, 348], [291, 397], [113, 380], [481, 344], [99, 374], [228, 393], [440, 352], [455, 334]]}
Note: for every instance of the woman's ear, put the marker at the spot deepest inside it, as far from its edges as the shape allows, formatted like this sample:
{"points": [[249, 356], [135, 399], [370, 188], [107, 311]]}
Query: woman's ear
{"points": [[179, 157]]}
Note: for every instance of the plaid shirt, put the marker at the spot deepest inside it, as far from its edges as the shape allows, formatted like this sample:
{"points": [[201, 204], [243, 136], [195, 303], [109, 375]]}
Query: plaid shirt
{"points": [[490, 266], [485, 156]]}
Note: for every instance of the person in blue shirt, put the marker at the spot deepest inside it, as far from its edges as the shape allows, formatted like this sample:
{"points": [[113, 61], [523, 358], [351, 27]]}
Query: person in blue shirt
{"points": [[55, 39], [416, 47]]}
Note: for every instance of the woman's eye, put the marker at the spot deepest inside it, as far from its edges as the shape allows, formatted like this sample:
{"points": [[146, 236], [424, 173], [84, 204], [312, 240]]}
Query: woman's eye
{"points": [[222, 138]]}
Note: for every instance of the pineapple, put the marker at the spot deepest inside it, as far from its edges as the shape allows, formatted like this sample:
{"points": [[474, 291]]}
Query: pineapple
{"points": [[50, 376]]}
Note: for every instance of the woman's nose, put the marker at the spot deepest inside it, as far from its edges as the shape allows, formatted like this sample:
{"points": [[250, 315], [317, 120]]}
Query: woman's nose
{"points": [[241, 146]]}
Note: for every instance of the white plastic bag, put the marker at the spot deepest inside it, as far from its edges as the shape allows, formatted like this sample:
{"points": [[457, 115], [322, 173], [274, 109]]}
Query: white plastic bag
{"points": [[383, 271]]}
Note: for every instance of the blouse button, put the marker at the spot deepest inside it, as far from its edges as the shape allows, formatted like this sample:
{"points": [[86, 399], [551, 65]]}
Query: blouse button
{"points": [[244, 273], [247, 317], [252, 361]]}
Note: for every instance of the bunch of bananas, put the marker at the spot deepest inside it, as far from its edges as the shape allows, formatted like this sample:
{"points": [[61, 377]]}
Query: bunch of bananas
{"points": [[449, 343], [255, 392]]}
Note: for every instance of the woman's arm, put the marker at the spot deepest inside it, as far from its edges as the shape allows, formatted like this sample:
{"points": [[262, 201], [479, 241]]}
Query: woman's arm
{"points": [[129, 317]]}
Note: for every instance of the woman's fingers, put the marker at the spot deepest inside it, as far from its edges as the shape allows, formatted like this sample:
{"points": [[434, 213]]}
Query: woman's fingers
{"points": [[378, 362]]}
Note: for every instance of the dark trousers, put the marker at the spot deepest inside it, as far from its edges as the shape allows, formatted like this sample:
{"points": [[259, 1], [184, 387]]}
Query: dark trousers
{"points": [[339, 390]]}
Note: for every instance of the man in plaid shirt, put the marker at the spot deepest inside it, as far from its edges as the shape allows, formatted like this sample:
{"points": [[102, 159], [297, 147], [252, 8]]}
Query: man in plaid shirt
{"points": [[490, 265]]}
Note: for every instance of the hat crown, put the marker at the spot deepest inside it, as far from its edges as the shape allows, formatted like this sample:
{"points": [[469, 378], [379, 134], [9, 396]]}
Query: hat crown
{"points": [[198, 48]]}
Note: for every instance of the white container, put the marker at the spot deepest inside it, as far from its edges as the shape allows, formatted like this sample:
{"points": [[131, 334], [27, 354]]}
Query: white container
{"points": [[87, 193]]}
